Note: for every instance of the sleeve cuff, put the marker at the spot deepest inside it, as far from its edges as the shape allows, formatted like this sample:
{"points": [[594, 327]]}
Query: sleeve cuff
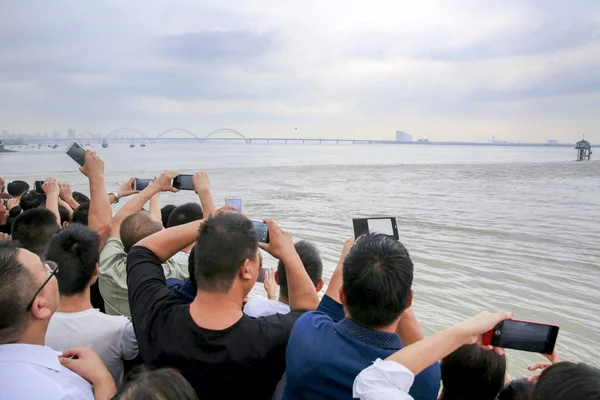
{"points": [[382, 380]]}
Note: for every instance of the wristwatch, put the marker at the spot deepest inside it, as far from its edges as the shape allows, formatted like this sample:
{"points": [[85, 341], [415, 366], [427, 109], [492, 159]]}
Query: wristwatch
{"points": [[116, 197]]}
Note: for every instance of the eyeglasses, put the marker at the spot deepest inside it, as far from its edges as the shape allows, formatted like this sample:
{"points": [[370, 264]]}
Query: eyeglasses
{"points": [[52, 268]]}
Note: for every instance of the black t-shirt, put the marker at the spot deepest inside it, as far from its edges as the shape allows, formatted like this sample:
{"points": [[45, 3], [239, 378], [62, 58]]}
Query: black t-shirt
{"points": [[244, 361]]}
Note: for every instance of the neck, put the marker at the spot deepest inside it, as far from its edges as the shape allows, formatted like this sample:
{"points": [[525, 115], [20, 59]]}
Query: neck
{"points": [[216, 311], [35, 334], [76, 303], [283, 299]]}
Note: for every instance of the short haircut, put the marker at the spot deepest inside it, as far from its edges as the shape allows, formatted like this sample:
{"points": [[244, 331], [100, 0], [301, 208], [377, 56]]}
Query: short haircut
{"points": [[225, 241], [184, 214], [192, 266], [34, 229], [165, 212], [517, 389], [80, 197], [377, 276], [17, 285], [164, 383], [31, 200], [472, 373], [567, 380], [76, 250], [17, 188], [5, 196], [311, 259], [137, 227], [80, 215], [65, 215]]}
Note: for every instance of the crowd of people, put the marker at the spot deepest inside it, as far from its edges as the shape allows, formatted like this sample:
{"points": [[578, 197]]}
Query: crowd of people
{"points": [[152, 303]]}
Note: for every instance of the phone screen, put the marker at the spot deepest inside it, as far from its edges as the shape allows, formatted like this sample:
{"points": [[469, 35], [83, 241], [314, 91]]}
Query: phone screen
{"points": [[234, 202], [141, 184], [38, 186], [184, 182], [386, 226], [525, 336], [77, 153], [262, 274], [262, 231]]}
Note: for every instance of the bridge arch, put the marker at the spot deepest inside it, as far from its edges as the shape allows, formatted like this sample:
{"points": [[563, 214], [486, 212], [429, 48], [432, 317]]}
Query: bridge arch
{"points": [[131, 130], [227, 130], [178, 130]]}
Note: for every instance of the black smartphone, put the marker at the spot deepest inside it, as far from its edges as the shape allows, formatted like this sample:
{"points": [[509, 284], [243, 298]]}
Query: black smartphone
{"points": [[77, 153], [523, 335], [38, 186], [141, 184], [262, 231], [385, 225], [5, 203], [183, 182], [234, 202]]}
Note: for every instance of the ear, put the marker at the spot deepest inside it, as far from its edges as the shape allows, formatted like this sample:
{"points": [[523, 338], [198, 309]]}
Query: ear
{"points": [[342, 295], [410, 299], [276, 276], [319, 285], [65, 224], [95, 276], [40, 309], [246, 270]]}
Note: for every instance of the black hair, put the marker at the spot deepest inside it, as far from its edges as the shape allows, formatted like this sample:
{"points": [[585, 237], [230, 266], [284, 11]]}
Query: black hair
{"points": [[80, 215], [76, 250], [185, 213], [567, 380], [192, 266], [34, 229], [80, 198], [518, 389], [159, 384], [377, 275], [224, 242], [31, 200], [65, 215], [165, 212], [16, 288], [472, 373], [17, 188], [137, 227], [311, 259]]}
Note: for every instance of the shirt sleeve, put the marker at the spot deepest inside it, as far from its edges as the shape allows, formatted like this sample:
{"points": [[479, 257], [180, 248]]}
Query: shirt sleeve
{"points": [[332, 308], [129, 346], [111, 254], [383, 380]]}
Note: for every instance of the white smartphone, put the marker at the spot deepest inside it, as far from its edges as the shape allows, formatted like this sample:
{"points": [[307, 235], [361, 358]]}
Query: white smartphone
{"points": [[234, 202]]}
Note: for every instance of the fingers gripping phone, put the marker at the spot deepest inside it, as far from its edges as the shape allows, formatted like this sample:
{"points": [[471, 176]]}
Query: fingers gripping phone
{"points": [[141, 184], [183, 182], [385, 225], [523, 335], [77, 153], [234, 202], [262, 231]]}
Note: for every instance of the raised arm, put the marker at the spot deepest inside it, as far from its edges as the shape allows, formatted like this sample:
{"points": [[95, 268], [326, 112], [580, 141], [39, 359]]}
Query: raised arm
{"points": [[100, 215], [126, 189], [52, 191], [302, 294], [336, 281], [66, 194], [408, 328], [154, 208], [166, 243], [202, 188]]}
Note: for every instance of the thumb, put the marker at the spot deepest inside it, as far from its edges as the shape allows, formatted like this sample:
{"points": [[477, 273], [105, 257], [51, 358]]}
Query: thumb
{"points": [[67, 362], [263, 246], [81, 169]]}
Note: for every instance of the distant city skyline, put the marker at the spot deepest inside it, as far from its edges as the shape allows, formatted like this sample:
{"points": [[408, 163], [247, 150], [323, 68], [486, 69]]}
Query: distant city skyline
{"points": [[519, 70]]}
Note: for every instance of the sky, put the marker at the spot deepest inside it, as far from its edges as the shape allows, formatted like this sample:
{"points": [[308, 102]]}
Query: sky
{"points": [[519, 70]]}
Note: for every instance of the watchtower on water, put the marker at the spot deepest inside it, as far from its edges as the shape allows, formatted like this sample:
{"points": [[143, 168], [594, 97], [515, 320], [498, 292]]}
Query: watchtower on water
{"points": [[584, 150]]}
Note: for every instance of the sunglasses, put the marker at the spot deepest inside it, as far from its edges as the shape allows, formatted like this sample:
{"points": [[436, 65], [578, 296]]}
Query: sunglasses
{"points": [[52, 268]]}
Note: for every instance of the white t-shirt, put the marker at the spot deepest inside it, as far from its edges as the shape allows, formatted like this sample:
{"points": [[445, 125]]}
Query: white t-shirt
{"points": [[111, 336], [383, 380], [259, 306]]}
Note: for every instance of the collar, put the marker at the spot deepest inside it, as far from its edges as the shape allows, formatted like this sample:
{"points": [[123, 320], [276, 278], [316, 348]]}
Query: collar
{"points": [[31, 353], [383, 340]]}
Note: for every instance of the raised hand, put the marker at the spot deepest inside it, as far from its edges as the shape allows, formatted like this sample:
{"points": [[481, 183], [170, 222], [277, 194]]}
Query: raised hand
{"points": [[93, 166], [281, 244], [347, 247], [127, 188], [553, 358], [270, 284], [201, 182], [475, 327], [165, 181], [66, 191], [51, 187]]}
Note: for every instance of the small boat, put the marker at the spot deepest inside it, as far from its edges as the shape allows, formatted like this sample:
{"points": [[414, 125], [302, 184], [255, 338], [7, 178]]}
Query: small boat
{"points": [[132, 145], [143, 145], [104, 144]]}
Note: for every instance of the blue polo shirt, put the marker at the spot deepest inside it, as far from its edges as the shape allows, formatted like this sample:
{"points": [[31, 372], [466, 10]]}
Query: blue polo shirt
{"points": [[326, 352]]}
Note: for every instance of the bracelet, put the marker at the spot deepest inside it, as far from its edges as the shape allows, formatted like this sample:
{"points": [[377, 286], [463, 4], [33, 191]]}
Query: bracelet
{"points": [[116, 197]]}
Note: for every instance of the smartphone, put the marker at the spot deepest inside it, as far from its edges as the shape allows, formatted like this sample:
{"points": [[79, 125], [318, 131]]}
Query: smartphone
{"points": [[385, 225], [5, 203], [183, 182], [523, 335], [38, 186], [77, 153], [262, 231], [262, 275], [235, 202], [141, 184]]}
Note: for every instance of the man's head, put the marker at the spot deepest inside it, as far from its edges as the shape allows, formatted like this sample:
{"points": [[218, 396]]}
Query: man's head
{"points": [[377, 275], [65, 214], [80, 215], [567, 380], [165, 212], [22, 273], [226, 254], [34, 229], [76, 250], [137, 227], [17, 188], [31, 200], [80, 198], [185, 213], [311, 259]]}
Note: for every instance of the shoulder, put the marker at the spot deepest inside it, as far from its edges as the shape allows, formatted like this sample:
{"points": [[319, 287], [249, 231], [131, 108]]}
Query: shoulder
{"points": [[255, 306]]}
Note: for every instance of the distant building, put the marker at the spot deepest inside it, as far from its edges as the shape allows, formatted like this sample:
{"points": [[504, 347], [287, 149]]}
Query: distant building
{"points": [[552, 141], [402, 136], [71, 133], [56, 135]]}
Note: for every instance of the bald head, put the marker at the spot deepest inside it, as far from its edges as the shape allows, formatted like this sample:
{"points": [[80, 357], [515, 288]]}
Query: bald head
{"points": [[137, 227]]}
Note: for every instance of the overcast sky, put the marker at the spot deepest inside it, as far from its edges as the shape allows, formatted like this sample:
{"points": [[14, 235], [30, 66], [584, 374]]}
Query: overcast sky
{"points": [[442, 69]]}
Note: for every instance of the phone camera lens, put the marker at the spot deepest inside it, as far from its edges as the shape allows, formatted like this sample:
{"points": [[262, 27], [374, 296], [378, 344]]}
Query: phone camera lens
{"points": [[497, 333]]}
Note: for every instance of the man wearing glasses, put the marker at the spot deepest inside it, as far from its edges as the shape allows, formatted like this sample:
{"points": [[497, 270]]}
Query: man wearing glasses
{"points": [[28, 369]]}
